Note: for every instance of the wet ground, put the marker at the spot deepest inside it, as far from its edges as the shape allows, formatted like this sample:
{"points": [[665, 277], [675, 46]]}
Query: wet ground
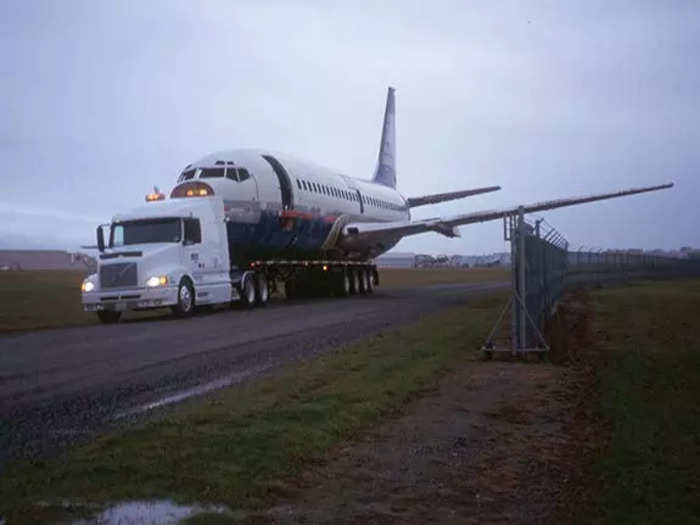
{"points": [[493, 445], [500, 441], [61, 387]]}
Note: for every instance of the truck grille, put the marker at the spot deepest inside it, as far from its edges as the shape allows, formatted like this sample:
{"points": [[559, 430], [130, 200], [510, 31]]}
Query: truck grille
{"points": [[118, 275]]}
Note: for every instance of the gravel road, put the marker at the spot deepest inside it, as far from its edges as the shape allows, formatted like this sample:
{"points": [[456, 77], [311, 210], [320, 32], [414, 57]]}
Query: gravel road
{"points": [[60, 387]]}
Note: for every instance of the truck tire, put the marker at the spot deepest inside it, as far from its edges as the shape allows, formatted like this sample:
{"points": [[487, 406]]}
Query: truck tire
{"points": [[262, 290], [109, 316], [248, 292], [185, 299], [354, 281], [343, 283], [370, 281], [364, 281], [290, 288]]}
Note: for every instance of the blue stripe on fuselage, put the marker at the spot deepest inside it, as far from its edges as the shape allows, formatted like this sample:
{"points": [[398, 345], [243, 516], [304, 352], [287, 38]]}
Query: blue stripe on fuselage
{"points": [[299, 239]]}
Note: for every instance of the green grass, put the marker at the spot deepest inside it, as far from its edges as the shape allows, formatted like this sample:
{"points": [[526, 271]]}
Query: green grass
{"points": [[235, 447], [405, 277], [51, 299], [649, 388], [41, 299]]}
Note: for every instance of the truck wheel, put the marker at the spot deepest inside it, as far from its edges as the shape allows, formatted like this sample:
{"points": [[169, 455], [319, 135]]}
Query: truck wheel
{"points": [[108, 316], [343, 284], [370, 282], [262, 294], [364, 281], [355, 282], [185, 299], [248, 291], [290, 288]]}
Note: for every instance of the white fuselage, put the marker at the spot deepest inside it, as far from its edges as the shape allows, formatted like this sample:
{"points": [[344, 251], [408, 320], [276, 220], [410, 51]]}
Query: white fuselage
{"points": [[284, 207]]}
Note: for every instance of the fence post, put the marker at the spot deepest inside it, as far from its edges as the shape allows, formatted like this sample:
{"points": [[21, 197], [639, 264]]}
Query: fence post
{"points": [[521, 277], [514, 264]]}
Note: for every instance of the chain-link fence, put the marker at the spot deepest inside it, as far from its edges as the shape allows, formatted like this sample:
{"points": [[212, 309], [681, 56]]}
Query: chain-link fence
{"points": [[542, 268]]}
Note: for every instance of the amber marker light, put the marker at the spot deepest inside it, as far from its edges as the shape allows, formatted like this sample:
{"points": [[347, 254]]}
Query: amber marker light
{"points": [[152, 197]]}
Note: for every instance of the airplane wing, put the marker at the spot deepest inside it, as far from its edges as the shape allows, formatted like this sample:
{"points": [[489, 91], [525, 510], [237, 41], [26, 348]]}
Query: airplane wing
{"points": [[442, 197], [368, 232]]}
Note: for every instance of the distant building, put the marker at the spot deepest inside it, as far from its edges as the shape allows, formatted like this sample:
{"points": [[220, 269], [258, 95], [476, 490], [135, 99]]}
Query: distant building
{"points": [[424, 260], [11, 260], [396, 260]]}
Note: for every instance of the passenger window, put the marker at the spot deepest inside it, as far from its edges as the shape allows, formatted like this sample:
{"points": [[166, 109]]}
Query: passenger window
{"points": [[304, 184], [298, 184], [193, 231], [243, 174]]}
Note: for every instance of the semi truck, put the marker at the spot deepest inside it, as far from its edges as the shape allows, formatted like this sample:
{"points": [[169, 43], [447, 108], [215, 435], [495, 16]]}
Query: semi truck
{"points": [[177, 253]]}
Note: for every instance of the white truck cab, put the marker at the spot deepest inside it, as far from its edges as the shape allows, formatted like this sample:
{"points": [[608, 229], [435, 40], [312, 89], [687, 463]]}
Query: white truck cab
{"points": [[165, 253]]}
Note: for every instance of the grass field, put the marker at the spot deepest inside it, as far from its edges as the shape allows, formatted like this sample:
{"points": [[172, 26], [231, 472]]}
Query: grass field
{"points": [[235, 447], [49, 299], [401, 278], [41, 299], [238, 446], [649, 395]]}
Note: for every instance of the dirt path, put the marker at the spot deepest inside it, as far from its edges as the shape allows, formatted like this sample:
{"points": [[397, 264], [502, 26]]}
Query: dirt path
{"points": [[499, 442]]}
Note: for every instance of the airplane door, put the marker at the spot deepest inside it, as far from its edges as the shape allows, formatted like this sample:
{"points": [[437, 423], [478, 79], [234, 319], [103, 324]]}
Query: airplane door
{"points": [[359, 198], [284, 180]]}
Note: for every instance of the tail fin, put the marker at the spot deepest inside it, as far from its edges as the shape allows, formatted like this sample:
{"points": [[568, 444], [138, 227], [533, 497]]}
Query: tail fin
{"points": [[386, 163]]}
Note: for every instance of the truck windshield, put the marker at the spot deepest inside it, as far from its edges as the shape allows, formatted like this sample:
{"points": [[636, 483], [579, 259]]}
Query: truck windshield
{"points": [[145, 231]]}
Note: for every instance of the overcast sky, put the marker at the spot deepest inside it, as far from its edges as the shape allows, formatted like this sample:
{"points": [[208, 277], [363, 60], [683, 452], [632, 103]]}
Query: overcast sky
{"points": [[101, 100]]}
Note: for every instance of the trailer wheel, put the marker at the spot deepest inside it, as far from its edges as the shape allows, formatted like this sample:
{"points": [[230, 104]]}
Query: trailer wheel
{"points": [[185, 299], [108, 316], [369, 288], [248, 290], [290, 288], [363, 282], [343, 283], [355, 282], [262, 294]]}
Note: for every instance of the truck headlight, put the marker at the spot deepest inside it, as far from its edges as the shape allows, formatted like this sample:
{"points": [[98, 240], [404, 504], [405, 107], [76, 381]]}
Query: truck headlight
{"points": [[87, 286], [157, 280]]}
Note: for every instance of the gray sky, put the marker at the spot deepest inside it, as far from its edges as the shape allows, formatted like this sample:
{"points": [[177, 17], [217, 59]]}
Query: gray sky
{"points": [[101, 100]]}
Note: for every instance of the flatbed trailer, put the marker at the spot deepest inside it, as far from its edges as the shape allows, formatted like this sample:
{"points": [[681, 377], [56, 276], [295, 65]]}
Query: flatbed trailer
{"points": [[304, 278]]}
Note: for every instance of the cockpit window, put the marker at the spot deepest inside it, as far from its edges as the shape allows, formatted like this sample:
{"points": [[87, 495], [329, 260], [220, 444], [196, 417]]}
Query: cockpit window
{"points": [[186, 175], [208, 173], [243, 174], [231, 173]]}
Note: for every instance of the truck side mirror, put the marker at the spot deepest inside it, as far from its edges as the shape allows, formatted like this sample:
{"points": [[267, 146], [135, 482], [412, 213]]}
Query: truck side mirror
{"points": [[100, 239]]}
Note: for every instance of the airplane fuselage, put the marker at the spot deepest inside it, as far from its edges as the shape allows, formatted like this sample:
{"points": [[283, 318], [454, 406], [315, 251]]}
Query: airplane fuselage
{"points": [[279, 207]]}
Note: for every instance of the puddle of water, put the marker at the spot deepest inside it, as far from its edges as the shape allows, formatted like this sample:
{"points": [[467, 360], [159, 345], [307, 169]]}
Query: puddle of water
{"points": [[148, 512], [192, 392]]}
